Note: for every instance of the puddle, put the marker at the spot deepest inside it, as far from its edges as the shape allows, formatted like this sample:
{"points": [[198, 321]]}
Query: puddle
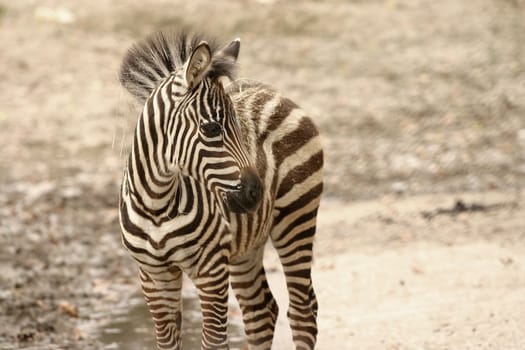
{"points": [[132, 329]]}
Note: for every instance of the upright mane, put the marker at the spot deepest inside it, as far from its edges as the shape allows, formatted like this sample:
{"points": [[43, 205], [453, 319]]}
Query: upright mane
{"points": [[152, 59]]}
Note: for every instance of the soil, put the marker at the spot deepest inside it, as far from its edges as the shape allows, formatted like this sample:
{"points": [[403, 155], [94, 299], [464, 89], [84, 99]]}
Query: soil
{"points": [[421, 106]]}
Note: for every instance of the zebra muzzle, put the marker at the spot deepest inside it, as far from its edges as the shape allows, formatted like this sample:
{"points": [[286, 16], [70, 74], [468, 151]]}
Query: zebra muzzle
{"points": [[249, 194]]}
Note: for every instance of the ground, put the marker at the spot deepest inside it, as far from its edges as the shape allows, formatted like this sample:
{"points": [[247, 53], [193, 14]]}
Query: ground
{"points": [[421, 107]]}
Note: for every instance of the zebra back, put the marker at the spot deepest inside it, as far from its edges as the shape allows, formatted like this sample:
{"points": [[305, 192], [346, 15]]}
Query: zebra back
{"points": [[151, 60]]}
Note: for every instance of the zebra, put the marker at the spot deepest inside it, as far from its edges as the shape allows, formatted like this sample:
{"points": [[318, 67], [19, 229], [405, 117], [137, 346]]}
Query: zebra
{"points": [[217, 167]]}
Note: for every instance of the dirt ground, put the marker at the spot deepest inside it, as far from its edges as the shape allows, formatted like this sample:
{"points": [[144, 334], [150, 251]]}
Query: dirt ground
{"points": [[421, 106]]}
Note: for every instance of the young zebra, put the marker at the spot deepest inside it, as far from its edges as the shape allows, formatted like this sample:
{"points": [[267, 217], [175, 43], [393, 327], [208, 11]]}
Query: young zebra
{"points": [[212, 173]]}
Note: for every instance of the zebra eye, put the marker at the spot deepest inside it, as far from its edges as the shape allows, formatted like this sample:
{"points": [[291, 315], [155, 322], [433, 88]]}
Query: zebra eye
{"points": [[211, 129]]}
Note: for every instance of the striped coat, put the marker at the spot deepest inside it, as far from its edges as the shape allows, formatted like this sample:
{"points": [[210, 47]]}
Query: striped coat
{"points": [[216, 169]]}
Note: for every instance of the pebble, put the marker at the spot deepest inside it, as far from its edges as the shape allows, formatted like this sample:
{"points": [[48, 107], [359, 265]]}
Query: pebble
{"points": [[521, 136], [39, 190], [399, 187]]}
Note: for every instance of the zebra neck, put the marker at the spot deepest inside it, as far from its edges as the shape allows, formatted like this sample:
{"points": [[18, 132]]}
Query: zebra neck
{"points": [[151, 198], [152, 183]]}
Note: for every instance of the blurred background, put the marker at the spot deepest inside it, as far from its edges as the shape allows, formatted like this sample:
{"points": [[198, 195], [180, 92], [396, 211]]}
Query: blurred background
{"points": [[421, 108]]}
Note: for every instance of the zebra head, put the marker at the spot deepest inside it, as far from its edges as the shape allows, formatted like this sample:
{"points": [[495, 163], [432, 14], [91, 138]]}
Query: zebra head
{"points": [[207, 139]]}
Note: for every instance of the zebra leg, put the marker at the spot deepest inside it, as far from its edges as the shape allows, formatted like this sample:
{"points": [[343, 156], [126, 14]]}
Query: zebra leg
{"points": [[293, 236], [259, 308], [162, 292], [212, 287]]}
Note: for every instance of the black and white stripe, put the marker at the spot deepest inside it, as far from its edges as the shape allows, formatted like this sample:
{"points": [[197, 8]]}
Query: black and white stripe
{"points": [[212, 174]]}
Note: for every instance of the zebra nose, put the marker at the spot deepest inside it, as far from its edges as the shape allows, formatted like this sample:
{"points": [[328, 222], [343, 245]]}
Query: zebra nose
{"points": [[248, 195], [250, 192], [252, 186]]}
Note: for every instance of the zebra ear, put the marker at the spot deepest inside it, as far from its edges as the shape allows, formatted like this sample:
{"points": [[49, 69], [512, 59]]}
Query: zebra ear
{"points": [[197, 65], [231, 51], [228, 55]]}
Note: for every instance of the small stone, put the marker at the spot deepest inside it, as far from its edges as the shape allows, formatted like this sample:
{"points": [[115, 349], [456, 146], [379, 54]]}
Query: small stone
{"points": [[521, 136], [399, 187], [71, 192], [39, 190], [58, 15]]}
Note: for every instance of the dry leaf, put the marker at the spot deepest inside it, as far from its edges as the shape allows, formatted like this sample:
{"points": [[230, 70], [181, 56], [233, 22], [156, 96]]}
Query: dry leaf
{"points": [[68, 309]]}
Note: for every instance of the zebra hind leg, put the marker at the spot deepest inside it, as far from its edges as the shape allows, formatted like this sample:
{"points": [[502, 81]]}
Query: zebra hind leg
{"points": [[162, 292], [259, 308], [292, 236]]}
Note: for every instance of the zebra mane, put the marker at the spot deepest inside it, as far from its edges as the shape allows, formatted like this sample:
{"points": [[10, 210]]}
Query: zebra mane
{"points": [[152, 59]]}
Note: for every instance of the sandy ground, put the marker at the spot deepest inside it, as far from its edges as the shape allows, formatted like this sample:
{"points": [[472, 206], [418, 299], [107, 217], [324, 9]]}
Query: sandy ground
{"points": [[406, 282], [421, 106]]}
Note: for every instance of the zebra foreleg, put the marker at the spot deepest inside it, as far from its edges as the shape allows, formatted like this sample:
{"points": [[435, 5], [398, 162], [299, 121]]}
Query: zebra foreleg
{"points": [[259, 308], [212, 287], [162, 292]]}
